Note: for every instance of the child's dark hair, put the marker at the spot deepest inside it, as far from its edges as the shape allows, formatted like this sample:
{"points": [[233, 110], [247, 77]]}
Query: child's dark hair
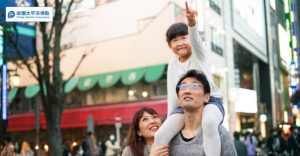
{"points": [[177, 29]]}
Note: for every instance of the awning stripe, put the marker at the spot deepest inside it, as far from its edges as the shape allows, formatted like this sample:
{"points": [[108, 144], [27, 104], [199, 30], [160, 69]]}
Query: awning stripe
{"points": [[154, 73], [87, 82], [132, 76], [12, 93], [70, 85], [109, 79]]}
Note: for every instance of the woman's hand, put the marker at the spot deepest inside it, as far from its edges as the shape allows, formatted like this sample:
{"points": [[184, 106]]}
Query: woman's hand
{"points": [[160, 151]]}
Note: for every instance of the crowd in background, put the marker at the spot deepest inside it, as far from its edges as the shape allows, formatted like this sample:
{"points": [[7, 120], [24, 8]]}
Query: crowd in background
{"points": [[277, 144], [247, 144]]}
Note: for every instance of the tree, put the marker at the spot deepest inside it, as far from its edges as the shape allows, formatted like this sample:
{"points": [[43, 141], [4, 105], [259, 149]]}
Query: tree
{"points": [[48, 74]]}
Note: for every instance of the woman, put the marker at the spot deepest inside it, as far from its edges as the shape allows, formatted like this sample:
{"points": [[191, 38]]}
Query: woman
{"points": [[144, 124], [26, 150]]}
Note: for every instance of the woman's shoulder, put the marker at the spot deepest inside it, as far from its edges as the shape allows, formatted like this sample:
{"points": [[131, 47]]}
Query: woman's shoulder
{"points": [[127, 151]]}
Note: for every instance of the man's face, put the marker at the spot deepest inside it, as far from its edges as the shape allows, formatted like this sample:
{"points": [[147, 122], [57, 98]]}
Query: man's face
{"points": [[181, 46], [193, 96]]}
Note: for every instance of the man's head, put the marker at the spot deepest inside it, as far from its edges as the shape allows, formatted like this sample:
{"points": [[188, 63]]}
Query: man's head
{"points": [[7, 140], [193, 90], [236, 135], [294, 129], [178, 40]]}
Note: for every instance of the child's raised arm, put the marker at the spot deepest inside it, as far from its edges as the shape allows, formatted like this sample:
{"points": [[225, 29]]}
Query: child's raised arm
{"points": [[190, 15]]}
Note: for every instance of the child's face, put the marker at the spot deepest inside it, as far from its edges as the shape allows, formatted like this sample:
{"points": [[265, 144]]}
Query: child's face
{"points": [[181, 46]]}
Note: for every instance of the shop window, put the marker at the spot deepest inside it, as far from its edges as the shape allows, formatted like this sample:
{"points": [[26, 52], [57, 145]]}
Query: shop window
{"points": [[216, 42], [115, 93], [94, 96], [243, 62], [159, 88], [214, 4], [73, 99], [217, 80]]}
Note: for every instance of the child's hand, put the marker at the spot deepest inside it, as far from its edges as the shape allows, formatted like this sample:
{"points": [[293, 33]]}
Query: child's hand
{"points": [[190, 15]]}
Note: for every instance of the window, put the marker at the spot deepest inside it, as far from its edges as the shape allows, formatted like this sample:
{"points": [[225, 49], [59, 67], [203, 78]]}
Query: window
{"points": [[280, 13], [214, 4], [216, 42]]}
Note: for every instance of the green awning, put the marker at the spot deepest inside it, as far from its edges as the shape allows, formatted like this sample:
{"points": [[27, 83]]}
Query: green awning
{"points": [[87, 82], [32, 90], [109, 79], [153, 73], [132, 76], [70, 85], [12, 93]]}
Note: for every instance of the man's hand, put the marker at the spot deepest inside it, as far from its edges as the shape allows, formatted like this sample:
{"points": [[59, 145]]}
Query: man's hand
{"points": [[190, 15], [159, 151]]}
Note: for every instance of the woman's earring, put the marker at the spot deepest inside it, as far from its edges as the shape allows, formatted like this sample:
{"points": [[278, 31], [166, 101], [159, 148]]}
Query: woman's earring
{"points": [[140, 138]]}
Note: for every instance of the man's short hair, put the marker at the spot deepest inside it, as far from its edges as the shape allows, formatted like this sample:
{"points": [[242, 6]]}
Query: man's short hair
{"points": [[199, 76], [236, 135], [177, 29]]}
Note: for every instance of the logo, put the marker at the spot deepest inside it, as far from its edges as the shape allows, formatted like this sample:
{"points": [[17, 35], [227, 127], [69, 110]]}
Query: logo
{"points": [[29, 14], [11, 14]]}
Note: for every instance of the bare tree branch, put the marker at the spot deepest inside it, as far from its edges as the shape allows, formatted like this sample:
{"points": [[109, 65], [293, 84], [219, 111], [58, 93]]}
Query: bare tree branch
{"points": [[67, 14], [30, 70], [80, 61]]}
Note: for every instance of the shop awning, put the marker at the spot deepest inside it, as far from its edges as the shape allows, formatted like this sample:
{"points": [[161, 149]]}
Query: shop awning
{"points": [[32, 90], [12, 93], [132, 76], [87, 82], [77, 117], [153, 73], [70, 85], [109, 79]]}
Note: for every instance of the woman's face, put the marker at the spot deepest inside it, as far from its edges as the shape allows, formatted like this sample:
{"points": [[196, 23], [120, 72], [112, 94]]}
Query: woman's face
{"points": [[148, 125]]}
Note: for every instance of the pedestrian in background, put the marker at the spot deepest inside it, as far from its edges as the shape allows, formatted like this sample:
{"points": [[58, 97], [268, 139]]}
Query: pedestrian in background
{"points": [[293, 143], [26, 150], [240, 146], [112, 147], [9, 149], [250, 144], [273, 143]]}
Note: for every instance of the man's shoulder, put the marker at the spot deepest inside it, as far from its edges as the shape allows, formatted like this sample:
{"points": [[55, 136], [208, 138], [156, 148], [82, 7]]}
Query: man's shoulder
{"points": [[127, 151]]}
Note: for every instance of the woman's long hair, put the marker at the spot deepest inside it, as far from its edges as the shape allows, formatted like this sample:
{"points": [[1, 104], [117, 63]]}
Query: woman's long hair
{"points": [[137, 143]]}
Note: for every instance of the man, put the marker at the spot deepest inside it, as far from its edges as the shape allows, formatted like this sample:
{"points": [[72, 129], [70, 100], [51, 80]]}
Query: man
{"points": [[239, 145], [193, 92], [294, 145]]}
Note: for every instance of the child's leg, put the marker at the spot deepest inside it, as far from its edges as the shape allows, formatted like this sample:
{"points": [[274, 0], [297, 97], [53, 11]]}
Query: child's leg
{"points": [[169, 129], [211, 118]]}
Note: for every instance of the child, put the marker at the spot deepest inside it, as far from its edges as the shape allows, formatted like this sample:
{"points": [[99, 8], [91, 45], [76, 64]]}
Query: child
{"points": [[190, 55]]}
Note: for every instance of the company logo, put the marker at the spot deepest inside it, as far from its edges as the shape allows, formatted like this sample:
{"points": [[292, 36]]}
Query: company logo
{"points": [[11, 14], [29, 14]]}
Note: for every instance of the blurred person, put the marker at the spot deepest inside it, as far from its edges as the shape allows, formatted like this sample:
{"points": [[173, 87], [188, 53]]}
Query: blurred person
{"points": [[184, 40], [283, 142], [293, 143], [144, 125], [17, 148], [26, 150], [240, 146], [273, 143], [250, 144], [8, 149], [77, 151], [112, 147], [88, 145], [66, 148]]}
